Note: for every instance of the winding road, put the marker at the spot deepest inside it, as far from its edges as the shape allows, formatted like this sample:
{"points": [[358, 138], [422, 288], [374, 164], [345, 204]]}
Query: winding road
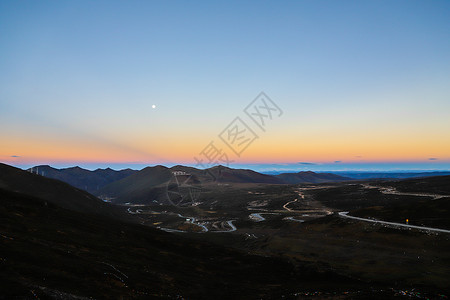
{"points": [[256, 217], [287, 208], [230, 223], [293, 219], [192, 221], [204, 228], [344, 214]]}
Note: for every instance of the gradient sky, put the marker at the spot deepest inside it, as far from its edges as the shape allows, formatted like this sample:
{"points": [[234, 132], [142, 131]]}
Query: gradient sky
{"points": [[359, 82]]}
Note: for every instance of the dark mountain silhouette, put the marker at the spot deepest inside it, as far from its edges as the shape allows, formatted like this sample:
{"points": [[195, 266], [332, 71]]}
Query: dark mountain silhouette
{"points": [[81, 178], [54, 191], [229, 175], [310, 177]]}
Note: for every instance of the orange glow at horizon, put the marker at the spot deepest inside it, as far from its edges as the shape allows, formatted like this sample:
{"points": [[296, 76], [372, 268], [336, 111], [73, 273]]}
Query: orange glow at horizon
{"points": [[264, 150]]}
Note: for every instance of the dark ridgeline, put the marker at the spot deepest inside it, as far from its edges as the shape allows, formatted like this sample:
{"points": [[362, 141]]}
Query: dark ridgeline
{"points": [[150, 183], [89, 181]]}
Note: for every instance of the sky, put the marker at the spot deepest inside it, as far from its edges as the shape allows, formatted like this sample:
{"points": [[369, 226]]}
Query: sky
{"points": [[346, 84]]}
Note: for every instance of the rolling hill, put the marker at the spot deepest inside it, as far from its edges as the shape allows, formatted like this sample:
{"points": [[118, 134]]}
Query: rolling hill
{"points": [[434, 184], [143, 186], [310, 177], [55, 191], [229, 175], [151, 183]]}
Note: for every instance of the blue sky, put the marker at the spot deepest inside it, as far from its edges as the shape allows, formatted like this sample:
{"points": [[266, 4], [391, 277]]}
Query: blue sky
{"points": [[354, 78]]}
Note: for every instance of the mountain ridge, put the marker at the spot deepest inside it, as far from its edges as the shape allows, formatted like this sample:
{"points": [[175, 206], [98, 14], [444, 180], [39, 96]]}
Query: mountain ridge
{"points": [[151, 184], [78, 177]]}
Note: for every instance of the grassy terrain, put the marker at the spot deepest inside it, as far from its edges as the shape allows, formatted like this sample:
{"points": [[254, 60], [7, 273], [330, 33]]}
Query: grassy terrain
{"points": [[430, 213], [46, 250], [435, 185], [366, 251], [299, 250], [399, 259], [355, 196]]}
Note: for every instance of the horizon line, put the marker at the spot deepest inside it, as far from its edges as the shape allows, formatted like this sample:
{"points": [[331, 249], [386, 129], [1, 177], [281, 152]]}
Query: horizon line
{"points": [[261, 168]]}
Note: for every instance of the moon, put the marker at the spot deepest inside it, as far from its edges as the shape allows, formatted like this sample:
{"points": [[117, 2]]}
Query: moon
{"points": [[153, 106]]}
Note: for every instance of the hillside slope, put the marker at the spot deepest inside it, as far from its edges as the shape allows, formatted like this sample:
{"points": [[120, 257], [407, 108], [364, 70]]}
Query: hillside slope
{"points": [[48, 252], [435, 184], [151, 184], [55, 191], [144, 186]]}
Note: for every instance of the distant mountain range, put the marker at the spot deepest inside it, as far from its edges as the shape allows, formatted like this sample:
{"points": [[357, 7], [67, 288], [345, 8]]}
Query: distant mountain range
{"points": [[81, 178], [101, 181], [92, 181], [151, 183]]}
